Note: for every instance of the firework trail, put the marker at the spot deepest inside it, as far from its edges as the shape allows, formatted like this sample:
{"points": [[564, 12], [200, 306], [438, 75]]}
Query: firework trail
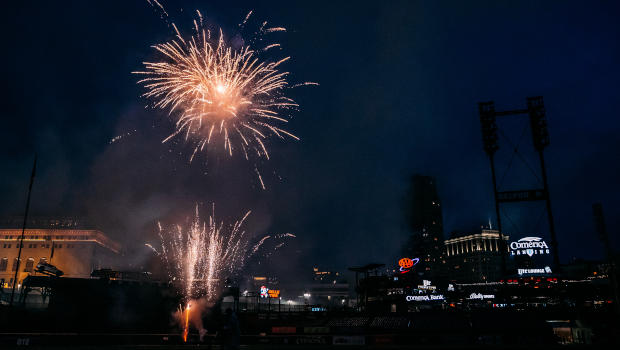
{"points": [[261, 250], [220, 95]]}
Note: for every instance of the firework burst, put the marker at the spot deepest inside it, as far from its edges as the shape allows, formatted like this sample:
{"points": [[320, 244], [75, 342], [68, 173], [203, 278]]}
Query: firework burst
{"points": [[217, 94]]}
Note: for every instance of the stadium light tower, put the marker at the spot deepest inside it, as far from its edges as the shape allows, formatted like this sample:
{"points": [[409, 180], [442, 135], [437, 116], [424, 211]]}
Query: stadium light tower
{"points": [[540, 136]]}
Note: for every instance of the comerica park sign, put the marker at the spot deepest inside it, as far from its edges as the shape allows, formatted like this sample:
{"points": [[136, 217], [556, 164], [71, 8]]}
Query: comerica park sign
{"points": [[529, 246]]}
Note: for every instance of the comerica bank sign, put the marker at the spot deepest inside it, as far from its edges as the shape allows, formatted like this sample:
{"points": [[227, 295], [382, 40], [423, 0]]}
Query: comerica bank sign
{"points": [[429, 297], [529, 246]]}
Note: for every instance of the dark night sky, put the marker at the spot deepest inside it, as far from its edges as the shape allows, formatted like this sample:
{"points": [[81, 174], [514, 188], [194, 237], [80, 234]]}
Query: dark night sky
{"points": [[399, 86]]}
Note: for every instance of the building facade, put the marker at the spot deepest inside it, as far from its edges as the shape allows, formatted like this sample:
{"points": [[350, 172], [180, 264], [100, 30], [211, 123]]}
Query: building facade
{"points": [[477, 257], [426, 224], [74, 251]]}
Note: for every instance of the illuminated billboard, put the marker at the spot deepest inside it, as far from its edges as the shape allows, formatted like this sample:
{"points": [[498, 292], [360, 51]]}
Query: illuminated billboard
{"points": [[269, 293], [529, 246]]}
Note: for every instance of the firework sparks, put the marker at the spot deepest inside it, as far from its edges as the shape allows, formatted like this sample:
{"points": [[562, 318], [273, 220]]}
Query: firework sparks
{"points": [[152, 248], [217, 94], [199, 256]]}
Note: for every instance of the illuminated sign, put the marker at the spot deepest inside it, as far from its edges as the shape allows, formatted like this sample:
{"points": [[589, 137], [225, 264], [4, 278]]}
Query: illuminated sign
{"points": [[407, 264], [430, 297], [264, 292], [426, 284], [318, 309], [480, 296], [269, 293], [450, 287], [547, 269], [529, 246]]}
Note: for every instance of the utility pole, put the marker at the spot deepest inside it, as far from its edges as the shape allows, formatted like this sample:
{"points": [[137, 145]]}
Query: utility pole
{"points": [[601, 229], [490, 145], [21, 242]]}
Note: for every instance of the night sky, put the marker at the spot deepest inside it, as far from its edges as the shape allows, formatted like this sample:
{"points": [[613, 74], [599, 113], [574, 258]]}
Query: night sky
{"points": [[399, 87]]}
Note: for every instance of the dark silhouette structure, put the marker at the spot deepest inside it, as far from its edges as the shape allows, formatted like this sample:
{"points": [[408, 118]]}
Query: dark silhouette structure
{"points": [[362, 290], [426, 224], [540, 137]]}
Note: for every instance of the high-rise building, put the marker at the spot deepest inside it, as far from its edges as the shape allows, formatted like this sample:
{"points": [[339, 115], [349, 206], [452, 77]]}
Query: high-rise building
{"points": [[426, 224]]}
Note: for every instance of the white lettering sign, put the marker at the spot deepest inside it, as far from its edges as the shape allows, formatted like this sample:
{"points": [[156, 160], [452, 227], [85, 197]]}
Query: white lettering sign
{"points": [[481, 296], [426, 284], [547, 269], [529, 246], [424, 297]]}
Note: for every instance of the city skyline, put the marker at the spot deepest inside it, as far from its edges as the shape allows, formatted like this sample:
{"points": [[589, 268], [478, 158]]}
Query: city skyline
{"points": [[359, 145]]}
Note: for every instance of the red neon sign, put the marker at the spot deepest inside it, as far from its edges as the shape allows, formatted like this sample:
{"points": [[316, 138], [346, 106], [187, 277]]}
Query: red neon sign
{"points": [[406, 264]]}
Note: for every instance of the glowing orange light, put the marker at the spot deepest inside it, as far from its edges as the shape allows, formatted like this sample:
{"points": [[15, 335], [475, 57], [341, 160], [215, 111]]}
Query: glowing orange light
{"points": [[186, 328], [273, 293], [405, 263]]}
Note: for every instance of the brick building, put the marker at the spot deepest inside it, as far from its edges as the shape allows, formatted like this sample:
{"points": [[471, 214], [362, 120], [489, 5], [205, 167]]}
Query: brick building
{"points": [[74, 251]]}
